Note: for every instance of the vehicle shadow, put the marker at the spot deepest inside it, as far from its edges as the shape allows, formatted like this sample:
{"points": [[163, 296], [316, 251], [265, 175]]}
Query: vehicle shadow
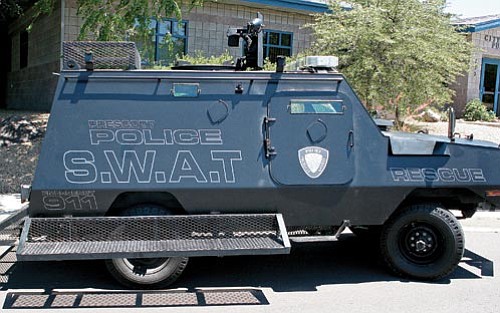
{"points": [[348, 261], [310, 265]]}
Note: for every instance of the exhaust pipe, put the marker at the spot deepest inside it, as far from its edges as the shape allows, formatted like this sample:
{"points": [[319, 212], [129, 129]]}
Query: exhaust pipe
{"points": [[451, 123]]}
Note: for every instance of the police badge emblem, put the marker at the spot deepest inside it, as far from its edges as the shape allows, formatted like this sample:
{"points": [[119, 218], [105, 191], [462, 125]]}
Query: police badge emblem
{"points": [[313, 160]]}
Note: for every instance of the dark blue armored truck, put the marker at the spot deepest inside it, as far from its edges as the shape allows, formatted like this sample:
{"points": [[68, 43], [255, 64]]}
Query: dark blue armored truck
{"points": [[147, 168]]}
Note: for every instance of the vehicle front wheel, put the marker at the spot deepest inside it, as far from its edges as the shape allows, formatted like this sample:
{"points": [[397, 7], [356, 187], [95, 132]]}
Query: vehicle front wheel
{"points": [[422, 241], [151, 273]]}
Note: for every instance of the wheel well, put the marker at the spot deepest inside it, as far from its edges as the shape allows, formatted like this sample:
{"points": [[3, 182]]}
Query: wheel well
{"points": [[128, 199], [461, 199]]}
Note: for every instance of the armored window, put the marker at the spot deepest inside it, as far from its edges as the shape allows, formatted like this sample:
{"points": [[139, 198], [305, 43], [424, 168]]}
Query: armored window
{"points": [[277, 43], [316, 107], [186, 90], [167, 39]]}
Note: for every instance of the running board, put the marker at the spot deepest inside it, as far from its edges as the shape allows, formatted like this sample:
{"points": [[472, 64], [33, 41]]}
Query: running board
{"points": [[78, 238]]}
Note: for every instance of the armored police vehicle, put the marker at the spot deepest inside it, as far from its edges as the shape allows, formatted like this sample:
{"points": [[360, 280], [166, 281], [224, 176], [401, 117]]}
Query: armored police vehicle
{"points": [[145, 169]]}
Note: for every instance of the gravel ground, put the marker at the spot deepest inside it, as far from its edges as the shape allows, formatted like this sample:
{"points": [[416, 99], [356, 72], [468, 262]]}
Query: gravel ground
{"points": [[481, 130], [17, 165], [18, 161]]}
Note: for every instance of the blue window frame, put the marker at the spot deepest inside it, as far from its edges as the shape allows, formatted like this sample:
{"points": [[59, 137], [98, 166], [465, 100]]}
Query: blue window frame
{"points": [[167, 39], [277, 43], [489, 91]]}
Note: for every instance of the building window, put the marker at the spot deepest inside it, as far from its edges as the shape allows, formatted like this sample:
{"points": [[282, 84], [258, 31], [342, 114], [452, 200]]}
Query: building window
{"points": [[23, 49], [167, 39], [277, 43]]}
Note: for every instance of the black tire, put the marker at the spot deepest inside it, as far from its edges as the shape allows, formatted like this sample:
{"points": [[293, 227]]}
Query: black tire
{"points": [[424, 242], [153, 273]]}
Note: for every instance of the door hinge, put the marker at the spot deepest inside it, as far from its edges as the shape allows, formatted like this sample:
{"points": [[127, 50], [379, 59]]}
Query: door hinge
{"points": [[269, 149]]}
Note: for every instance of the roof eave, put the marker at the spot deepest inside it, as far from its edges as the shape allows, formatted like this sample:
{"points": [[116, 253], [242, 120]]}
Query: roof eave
{"points": [[474, 28], [300, 5]]}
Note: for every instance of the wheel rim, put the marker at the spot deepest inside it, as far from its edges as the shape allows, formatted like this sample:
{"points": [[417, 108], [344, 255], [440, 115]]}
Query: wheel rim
{"points": [[420, 243], [146, 266]]}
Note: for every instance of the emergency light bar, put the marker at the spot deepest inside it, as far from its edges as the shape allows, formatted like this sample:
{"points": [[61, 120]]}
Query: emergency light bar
{"points": [[314, 62]]}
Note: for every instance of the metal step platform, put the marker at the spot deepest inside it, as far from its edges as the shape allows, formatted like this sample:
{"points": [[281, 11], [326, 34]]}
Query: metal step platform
{"points": [[76, 238]]}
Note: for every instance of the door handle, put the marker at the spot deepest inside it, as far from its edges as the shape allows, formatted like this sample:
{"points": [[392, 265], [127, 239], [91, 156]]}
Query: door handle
{"points": [[350, 139]]}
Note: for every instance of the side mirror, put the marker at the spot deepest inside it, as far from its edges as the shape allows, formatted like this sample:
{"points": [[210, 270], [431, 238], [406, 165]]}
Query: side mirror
{"points": [[451, 123]]}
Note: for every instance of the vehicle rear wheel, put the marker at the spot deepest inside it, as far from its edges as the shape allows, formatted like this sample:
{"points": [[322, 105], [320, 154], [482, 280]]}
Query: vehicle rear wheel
{"points": [[149, 273], [423, 242]]}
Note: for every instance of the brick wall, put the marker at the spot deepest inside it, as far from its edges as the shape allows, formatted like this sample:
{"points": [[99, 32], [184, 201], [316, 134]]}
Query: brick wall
{"points": [[208, 26], [460, 98], [71, 21], [461, 87], [32, 87]]}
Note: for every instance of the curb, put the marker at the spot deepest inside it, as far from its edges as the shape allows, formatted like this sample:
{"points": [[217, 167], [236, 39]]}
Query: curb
{"points": [[490, 124]]}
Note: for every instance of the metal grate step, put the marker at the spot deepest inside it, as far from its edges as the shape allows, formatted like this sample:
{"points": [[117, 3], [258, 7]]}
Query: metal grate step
{"points": [[105, 55], [152, 236]]}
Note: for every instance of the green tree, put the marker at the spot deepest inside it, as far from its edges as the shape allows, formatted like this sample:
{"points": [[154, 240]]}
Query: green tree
{"points": [[107, 19], [12, 9], [399, 55], [9, 9]]}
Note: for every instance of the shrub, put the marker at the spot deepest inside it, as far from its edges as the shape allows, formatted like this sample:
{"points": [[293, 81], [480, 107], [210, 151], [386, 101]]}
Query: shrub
{"points": [[476, 111], [199, 58]]}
